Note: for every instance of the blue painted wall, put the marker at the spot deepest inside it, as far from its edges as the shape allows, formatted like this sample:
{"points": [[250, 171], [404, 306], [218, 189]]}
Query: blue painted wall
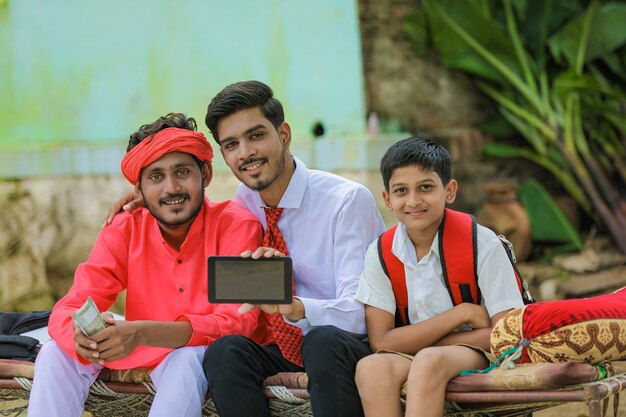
{"points": [[77, 77]]}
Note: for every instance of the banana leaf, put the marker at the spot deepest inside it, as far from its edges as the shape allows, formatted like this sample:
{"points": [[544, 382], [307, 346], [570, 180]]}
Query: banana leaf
{"points": [[570, 81], [488, 32], [554, 163], [606, 34], [547, 221], [546, 16], [535, 61], [616, 63]]}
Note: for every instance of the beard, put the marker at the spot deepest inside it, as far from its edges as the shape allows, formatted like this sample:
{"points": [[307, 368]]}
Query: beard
{"points": [[178, 221], [258, 184]]}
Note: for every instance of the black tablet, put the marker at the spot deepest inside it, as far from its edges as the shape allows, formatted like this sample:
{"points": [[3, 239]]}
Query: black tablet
{"points": [[233, 279]]}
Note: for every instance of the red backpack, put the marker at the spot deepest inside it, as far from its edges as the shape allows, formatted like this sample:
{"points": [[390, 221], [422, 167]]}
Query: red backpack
{"points": [[457, 251]]}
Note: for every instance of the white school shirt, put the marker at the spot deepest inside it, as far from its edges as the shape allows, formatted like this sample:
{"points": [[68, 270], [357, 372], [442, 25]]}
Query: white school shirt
{"points": [[328, 222], [426, 290]]}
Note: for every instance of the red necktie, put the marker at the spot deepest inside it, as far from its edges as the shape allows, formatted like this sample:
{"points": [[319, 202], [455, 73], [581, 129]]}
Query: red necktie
{"points": [[288, 337]]}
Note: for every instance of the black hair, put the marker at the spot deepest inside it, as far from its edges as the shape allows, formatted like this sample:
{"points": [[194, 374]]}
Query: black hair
{"points": [[416, 151], [241, 96]]}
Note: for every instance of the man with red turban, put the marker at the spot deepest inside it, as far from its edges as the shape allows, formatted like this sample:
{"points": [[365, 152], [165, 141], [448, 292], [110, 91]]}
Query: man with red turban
{"points": [[158, 255]]}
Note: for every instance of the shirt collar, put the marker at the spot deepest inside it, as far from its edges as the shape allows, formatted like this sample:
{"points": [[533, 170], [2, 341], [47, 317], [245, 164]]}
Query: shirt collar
{"points": [[404, 249]]}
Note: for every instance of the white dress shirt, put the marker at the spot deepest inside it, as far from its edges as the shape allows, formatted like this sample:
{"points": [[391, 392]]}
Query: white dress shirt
{"points": [[327, 222], [426, 290]]}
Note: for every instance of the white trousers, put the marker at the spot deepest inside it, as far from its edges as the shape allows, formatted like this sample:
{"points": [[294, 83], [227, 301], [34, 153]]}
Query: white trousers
{"points": [[61, 384]]}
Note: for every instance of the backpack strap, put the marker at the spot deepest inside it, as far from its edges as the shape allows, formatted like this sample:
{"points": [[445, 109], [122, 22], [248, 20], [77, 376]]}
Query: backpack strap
{"points": [[394, 269], [523, 287], [458, 255]]}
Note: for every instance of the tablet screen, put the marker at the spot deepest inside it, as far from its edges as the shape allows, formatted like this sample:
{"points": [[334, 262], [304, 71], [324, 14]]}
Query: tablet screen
{"points": [[233, 279]]}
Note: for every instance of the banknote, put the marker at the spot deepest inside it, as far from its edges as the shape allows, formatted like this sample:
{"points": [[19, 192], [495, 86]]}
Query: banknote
{"points": [[88, 318]]}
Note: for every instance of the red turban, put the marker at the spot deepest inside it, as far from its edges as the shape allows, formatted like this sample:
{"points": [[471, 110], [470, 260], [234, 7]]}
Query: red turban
{"points": [[164, 141]]}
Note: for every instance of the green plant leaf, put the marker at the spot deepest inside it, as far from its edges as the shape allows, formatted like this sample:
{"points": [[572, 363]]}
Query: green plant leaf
{"points": [[543, 18], [523, 58], [502, 64], [618, 122], [497, 126], [616, 64], [606, 34], [547, 220], [556, 166], [569, 81], [506, 151], [416, 27], [531, 134], [453, 49], [584, 37], [519, 110]]}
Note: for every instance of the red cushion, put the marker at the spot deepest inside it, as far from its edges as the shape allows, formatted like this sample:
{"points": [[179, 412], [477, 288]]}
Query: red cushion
{"points": [[588, 330]]}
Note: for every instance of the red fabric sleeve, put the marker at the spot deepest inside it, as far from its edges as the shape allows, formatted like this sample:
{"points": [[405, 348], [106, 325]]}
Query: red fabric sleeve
{"points": [[102, 277]]}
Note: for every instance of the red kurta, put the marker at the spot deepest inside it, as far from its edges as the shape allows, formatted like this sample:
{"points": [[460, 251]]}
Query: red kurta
{"points": [[163, 284]]}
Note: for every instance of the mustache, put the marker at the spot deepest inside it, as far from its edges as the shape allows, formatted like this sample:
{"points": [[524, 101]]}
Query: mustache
{"points": [[173, 197], [250, 161]]}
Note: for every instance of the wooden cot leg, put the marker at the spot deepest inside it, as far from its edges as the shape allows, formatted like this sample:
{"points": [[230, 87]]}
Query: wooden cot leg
{"points": [[595, 408]]}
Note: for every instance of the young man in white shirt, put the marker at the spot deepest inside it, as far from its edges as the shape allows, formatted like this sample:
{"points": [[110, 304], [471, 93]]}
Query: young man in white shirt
{"points": [[327, 223]]}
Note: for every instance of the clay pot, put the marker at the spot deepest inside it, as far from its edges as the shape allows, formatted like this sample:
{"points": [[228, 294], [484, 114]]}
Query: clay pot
{"points": [[505, 215]]}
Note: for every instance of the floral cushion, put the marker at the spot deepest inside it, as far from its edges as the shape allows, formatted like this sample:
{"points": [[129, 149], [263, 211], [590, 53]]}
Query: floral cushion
{"points": [[590, 330]]}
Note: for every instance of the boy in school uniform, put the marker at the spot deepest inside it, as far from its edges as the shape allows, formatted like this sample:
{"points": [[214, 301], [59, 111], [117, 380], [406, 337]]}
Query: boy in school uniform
{"points": [[440, 339]]}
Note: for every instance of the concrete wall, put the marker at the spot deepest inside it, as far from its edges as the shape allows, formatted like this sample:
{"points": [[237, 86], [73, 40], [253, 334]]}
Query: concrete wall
{"points": [[77, 77], [48, 225]]}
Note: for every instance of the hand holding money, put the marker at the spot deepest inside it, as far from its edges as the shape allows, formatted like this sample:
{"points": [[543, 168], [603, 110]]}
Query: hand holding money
{"points": [[88, 318]]}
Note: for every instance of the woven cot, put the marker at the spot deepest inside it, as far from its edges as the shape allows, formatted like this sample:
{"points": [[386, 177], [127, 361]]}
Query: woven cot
{"points": [[527, 388]]}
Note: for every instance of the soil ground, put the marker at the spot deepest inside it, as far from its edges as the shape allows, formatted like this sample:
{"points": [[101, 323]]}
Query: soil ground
{"points": [[578, 410]]}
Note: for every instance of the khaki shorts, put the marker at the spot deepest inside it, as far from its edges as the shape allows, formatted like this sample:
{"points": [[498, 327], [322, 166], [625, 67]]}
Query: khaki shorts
{"points": [[486, 354], [483, 352]]}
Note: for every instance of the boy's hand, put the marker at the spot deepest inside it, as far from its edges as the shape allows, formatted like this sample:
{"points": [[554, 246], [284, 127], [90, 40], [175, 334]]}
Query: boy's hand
{"points": [[130, 201], [475, 315]]}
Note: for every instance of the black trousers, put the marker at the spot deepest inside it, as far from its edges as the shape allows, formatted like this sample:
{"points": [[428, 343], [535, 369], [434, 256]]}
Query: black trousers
{"points": [[236, 367]]}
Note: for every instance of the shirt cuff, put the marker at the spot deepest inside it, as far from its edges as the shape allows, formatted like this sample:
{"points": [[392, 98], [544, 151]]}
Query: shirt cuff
{"points": [[196, 338], [311, 310]]}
